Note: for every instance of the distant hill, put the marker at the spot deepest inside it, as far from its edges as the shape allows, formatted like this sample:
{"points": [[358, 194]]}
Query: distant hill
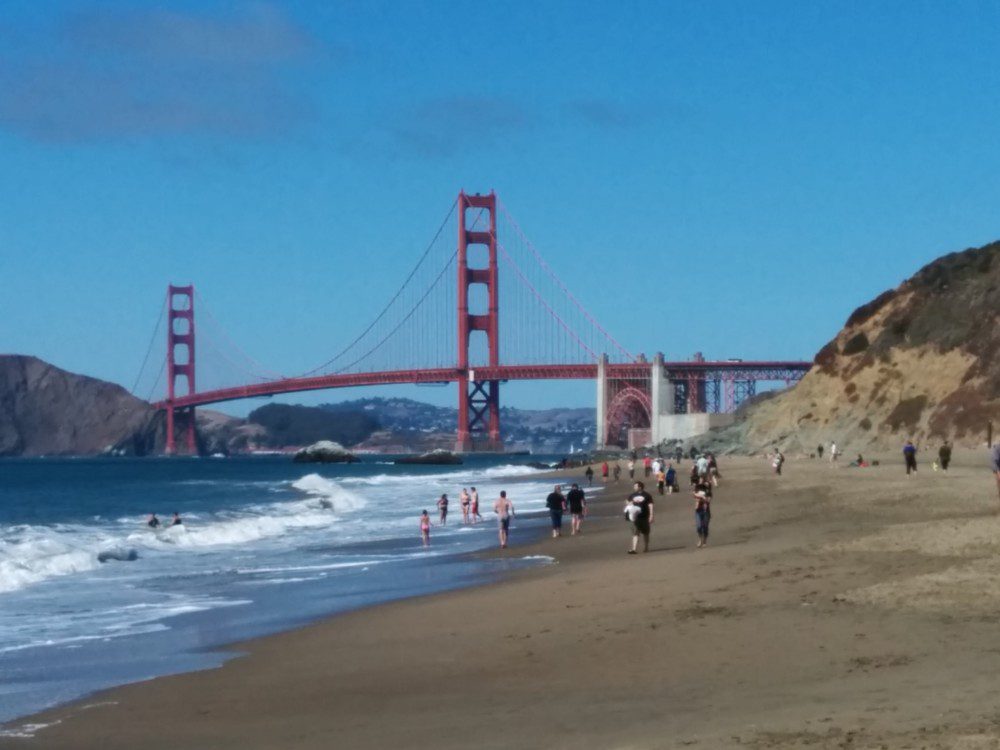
{"points": [[287, 425], [406, 424], [921, 361]]}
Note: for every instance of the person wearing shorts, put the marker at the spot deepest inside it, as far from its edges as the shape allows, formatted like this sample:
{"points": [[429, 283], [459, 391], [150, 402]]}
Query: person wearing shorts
{"points": [[504, 509], [577, 506], [556, 504], [640, 515]]}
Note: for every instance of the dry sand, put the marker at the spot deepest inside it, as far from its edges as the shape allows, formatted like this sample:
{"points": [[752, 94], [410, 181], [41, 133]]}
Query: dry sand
{"points": [[834, 608]]}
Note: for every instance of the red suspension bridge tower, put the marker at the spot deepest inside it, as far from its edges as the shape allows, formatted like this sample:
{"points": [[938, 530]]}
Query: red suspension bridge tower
{"points": [[478, 400], [180, 361]]}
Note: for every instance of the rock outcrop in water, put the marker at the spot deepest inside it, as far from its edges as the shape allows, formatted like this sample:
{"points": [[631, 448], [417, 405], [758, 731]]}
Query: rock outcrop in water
{"points": [[921, 361], [325, 452], [433, 458]]}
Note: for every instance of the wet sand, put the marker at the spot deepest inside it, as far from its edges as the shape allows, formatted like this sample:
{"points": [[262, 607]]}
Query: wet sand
{"points": [[834, 607]]}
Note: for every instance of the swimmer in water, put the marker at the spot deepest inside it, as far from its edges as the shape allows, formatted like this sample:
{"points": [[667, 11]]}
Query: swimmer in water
{"points": [[153, 521], [425, 529], [176, 520]]}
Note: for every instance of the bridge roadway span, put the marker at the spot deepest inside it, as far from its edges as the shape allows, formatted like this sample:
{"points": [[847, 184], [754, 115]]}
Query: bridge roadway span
{"points": [[675, 370]]}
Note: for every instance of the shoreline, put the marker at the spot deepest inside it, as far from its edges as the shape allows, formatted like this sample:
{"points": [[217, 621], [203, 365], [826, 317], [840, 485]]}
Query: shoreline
{"points": [[783, 630], [445, 570]]}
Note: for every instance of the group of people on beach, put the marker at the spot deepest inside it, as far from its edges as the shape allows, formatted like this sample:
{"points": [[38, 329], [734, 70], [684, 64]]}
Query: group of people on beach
{"points": [[503, 508], [639, 506]]}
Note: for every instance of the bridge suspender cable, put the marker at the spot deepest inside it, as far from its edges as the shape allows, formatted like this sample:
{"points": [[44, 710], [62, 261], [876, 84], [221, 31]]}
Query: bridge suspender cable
{"points": [[545, 266], [389, 304], [149, 349], [541, 299], [405, 318]]}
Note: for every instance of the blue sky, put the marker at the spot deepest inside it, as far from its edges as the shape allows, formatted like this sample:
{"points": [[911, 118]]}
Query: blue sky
{"points": [[730, 177]]}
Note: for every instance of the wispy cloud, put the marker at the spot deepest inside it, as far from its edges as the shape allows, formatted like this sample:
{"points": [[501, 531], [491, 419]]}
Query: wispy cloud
{"points": [[109, 75], [604, 113], [443, 127]]}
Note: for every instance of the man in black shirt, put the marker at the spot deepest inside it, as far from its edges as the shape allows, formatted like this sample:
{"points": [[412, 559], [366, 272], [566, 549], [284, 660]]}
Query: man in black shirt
{"points": [[639, 510], [556, 504], [577, 506]]}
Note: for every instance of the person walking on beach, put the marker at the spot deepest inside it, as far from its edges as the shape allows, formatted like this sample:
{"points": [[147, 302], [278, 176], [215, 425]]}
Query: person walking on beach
{"points": [[944, 455], [910, 456], [617, 471], [702, 464], [778, 462], [639, 511], [713, 469], [702, 515], [631, 468], [833, 452], [556, 503], [442, 504], [577, 507], [504, 510], [604, 471], [589, 473], [819, 451], [995, 462], [464, 498], [425, 529], [474, 506]]}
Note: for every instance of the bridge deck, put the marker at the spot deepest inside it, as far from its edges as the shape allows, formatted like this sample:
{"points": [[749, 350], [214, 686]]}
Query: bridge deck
{"points": [[728, 370]]}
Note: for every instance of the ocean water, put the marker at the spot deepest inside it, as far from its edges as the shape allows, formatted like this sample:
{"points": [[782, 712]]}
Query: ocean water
{"points": [[266, 545]]}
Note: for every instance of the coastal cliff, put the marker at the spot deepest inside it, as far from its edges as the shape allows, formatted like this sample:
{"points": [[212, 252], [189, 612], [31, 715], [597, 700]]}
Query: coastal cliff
{"points": [[46, 411], [921, 361]]}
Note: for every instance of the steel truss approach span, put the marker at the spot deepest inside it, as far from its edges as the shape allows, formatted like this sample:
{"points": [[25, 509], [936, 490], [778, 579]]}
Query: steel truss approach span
{"points": [[479, 299]]}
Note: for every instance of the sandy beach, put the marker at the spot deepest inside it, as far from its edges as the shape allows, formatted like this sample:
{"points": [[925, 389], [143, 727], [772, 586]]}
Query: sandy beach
{"points": [[834, 607]]}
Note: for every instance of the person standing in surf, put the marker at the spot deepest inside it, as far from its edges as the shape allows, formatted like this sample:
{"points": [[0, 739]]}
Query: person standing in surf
{"points": [[153, 521], [474, 506], [442, 505], [464, 498], [425, 529], [504, 510]]}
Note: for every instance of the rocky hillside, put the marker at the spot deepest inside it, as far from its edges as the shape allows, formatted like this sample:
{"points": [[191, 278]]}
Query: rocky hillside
{"points": [[48, 411], [921, 361]]}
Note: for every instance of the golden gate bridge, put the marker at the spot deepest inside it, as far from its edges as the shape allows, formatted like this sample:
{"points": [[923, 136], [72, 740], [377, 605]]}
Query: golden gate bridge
{"points": [[436, 331]]}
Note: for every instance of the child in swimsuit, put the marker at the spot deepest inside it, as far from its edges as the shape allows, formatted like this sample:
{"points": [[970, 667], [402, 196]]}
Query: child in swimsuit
{"points": [[425, 528]]}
